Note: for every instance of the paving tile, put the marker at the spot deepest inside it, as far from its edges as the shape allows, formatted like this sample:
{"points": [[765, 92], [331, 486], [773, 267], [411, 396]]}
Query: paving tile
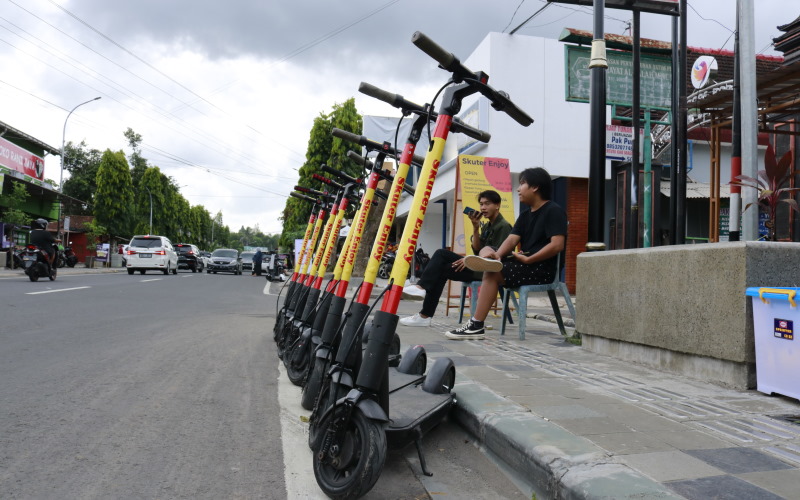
{"points": [[484, 374], [541, 400], [512, 367], [670, 465], [626, 443], [739, 460], [785, 483], [638, 419], [567, 412], [689, 439], [721, 488], [589, 427]]}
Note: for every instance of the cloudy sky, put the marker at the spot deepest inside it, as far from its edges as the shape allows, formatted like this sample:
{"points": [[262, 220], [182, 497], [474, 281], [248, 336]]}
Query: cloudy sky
{"points": [[224, 93]]}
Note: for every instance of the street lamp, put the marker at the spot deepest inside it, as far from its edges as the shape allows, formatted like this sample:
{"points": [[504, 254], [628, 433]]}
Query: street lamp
{"points": [[61, 175], [151, 210]]}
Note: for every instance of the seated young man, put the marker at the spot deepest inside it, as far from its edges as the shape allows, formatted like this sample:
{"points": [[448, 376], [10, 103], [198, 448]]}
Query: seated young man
{"points": [[541, 233], [446, 265]]}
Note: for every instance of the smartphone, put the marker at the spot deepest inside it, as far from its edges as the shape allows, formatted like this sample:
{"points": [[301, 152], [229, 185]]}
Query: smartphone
{"points": [[468, 210]]}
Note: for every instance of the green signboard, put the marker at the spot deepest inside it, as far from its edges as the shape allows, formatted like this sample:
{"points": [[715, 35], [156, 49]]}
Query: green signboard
{"points": [[656, 78]]}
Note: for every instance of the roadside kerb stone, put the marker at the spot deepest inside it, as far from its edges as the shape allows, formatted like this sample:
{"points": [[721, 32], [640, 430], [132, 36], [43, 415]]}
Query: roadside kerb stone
{"points": [[566, 467]]}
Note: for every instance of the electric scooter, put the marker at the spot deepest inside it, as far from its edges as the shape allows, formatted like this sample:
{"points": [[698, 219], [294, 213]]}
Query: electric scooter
{"points": [[355, 432]]}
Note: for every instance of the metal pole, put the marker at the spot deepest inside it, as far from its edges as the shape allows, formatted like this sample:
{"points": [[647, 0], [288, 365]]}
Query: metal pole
{"points": [[597, 123], [735, 206], [635, 112], [680, 195], [747, 74], [674, 157], [61, 175], [151, 210]]}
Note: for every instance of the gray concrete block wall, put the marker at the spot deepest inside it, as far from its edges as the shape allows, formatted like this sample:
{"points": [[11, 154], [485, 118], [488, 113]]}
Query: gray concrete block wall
{"points": [[687, 299]]}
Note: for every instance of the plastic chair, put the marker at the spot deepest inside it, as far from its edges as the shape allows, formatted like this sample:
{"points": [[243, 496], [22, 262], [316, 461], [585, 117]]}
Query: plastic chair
{"points": [[473, 287], [550, 288]]}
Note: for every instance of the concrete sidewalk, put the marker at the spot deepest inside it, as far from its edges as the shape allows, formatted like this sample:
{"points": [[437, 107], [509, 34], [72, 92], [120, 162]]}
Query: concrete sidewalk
{"points": [[581, 425]]}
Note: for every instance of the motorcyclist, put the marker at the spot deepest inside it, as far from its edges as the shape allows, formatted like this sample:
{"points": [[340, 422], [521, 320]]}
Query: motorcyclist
{"points": [[43, 239]]}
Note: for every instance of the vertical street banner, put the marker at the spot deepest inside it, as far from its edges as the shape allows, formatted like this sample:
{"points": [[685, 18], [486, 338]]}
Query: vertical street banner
{"points": [[477, 174]]}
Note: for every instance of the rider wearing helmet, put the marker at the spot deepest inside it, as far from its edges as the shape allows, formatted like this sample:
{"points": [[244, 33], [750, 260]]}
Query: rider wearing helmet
{"points": [[42, 238]]}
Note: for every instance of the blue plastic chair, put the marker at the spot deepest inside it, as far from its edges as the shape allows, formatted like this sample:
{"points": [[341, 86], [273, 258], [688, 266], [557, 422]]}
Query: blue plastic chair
{"points": [[522, 307], [473, 287]]}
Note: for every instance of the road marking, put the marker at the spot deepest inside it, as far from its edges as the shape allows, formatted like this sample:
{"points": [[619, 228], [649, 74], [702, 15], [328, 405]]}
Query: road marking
{"points": [[154, 279], [59, 290], [298, 473]]}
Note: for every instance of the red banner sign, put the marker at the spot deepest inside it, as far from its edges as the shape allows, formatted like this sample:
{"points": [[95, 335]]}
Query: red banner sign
{"points": [[21, 160]]}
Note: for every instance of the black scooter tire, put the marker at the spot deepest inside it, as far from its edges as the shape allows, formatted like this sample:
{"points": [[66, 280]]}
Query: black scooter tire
{"points": [[33, 276], [360, 454], [441, 378], [414, 361], [313, 385], [297, 361], [52, 275]]}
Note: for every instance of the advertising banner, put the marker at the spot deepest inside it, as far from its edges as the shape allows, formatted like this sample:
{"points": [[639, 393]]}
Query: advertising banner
{"points": [[477, 174], [21, 160], [619, 143], [102, 252]]}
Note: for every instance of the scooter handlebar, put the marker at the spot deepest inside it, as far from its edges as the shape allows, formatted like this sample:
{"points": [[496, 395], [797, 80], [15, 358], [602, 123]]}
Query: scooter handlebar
{"points": [[372, 145], [310, 191], [402, 103], [382, 173], [341, 175], [449, 62], [445, 59], [302, 197], [327, 181]]}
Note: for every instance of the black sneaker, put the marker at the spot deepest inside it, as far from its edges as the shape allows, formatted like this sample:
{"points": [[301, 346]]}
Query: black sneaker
{"points": [[472, 330]]}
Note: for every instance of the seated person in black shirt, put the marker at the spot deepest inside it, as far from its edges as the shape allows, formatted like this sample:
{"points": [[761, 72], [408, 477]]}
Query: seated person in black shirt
{"points": [[541, 233]]}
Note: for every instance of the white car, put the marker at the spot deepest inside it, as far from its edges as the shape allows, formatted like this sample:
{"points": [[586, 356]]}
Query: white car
{"points": [[149, 252]]}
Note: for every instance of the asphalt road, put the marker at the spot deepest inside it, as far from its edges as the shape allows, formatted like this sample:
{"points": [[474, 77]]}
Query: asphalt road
{"points": [[117, 386]]}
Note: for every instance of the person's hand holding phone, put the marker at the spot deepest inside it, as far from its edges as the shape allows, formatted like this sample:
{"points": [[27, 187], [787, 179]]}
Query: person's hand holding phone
{"points": [[474, 216]]}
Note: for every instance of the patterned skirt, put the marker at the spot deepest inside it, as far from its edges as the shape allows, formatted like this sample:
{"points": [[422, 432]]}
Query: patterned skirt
{"points": [[515, 273]]}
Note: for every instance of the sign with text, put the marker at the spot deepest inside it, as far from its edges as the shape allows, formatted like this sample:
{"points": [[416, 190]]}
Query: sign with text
{"points": [[656, 78], [477, 174], [619, 143], [21, 160]]}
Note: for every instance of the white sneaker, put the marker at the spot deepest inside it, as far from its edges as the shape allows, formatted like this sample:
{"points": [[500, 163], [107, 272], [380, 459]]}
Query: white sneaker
{"points": [[415, 320], [413, 292], [477, 263]]}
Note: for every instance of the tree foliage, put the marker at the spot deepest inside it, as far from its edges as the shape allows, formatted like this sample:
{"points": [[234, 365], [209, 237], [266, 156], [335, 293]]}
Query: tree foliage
{"points": [[13, 200], [114, 195], [82, 164], [323, 148]]}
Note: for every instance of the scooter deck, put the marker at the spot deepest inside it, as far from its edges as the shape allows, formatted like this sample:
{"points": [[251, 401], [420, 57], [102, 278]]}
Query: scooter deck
{"points": [[410, 409], [399, 380]]}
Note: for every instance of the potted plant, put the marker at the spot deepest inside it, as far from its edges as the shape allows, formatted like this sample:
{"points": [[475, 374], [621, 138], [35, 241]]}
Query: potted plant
{"points": [[772, 185]]}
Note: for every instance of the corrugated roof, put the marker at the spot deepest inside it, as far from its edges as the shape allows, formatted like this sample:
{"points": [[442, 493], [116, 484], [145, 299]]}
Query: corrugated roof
{"points": [[699, 190]]}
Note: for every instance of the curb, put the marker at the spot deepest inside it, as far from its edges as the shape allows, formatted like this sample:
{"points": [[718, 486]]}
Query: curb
{"points": [[558, 463]]}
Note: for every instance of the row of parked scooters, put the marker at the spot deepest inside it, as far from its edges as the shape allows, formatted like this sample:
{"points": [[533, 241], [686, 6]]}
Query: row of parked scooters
{"points": [[364, 396]]}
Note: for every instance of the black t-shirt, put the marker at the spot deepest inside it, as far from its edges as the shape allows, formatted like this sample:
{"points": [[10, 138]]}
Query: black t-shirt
{"points": [[43, 239], [536, 228]]}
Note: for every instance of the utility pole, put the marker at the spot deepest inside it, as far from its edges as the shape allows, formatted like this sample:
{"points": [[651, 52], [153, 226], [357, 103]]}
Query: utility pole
{"points": [[747, 84], [597, 121]]}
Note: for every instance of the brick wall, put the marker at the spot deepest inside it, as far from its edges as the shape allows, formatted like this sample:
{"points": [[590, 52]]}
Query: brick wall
{"points": [[578, 233]]}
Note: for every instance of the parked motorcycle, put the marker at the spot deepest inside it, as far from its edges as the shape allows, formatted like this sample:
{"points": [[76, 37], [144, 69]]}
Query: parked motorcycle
{"points": [[387, 262], [274, 267], [37, 263], [68, 257]]}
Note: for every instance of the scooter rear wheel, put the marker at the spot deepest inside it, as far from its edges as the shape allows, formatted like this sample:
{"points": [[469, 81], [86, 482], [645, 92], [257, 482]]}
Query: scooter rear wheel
{"points": [[297, 362], [53, 273], [33, 275], [353, 462], [312, 387]]}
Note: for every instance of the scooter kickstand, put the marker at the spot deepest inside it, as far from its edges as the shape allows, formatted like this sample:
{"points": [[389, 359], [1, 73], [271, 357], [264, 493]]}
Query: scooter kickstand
{"points": [[418, 443]]}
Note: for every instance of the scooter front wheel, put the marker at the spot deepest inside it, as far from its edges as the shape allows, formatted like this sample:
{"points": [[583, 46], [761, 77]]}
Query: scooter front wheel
{"points": [[349, 461], [297, 361], [33, 275], [313, 385]]}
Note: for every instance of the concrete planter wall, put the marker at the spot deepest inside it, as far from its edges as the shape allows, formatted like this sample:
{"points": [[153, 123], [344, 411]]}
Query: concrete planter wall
{"points": [[681, 308]]}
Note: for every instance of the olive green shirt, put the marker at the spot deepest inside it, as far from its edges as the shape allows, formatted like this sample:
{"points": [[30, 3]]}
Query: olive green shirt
{"points": [[493, 234]]}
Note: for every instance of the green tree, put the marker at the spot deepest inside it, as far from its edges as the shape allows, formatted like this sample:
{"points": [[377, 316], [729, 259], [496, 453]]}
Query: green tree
{"points": [[13, 200], [114, 196], [323, 148], [82, 164], [137, 162]]}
